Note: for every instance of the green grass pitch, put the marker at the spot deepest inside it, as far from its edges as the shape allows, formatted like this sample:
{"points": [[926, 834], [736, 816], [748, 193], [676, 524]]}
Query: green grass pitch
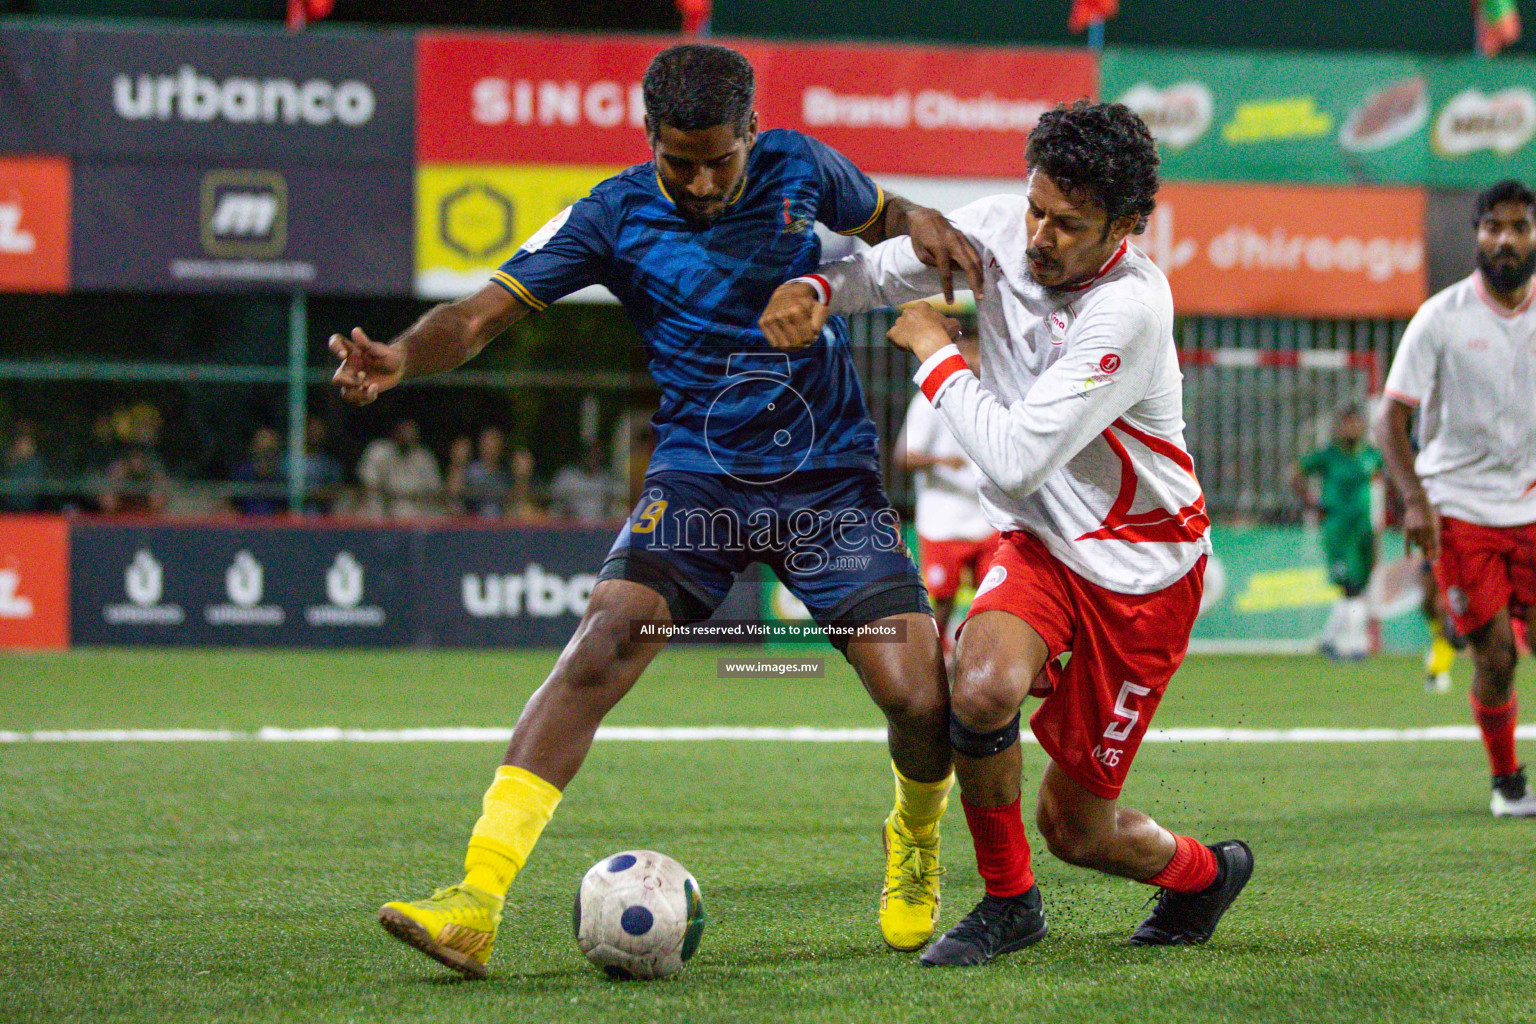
{"points": [[198, 882]]}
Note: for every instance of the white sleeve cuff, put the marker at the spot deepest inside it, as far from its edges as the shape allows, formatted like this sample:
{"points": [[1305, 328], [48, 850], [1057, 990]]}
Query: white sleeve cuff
{"points": [[819, 284]]}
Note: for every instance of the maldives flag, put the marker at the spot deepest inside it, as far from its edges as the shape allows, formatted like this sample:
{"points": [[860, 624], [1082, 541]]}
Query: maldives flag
{"points": [[1498, 25], [301, 12], [1086, 12]]}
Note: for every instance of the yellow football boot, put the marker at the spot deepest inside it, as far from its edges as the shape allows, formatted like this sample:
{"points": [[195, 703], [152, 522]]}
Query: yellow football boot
{"points": [[1437, 664], [909, 902], [455, 926]]}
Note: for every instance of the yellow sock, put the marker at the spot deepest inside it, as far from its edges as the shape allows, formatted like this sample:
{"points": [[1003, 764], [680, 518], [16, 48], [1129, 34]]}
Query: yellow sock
{"points": [[920, 805], [516, 808]]}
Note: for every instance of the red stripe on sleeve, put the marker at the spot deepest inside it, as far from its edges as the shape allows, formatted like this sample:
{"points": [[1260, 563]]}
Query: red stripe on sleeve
{"points": [[941, 373]]}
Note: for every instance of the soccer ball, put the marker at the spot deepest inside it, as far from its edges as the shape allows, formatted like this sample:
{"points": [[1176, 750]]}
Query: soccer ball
{"points": [[638, 915]]}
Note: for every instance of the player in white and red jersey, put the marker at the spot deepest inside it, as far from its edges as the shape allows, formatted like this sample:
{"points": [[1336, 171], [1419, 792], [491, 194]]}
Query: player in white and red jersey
{"points": [[953, 535], [1467, 364], [1077, 423]]}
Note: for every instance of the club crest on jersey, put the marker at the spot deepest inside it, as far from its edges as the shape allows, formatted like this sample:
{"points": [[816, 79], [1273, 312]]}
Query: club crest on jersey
{"points": [[1457, 599], [993, 579], [793, 224]]}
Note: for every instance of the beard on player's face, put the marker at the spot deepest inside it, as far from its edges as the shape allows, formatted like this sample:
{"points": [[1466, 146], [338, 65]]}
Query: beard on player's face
{"points": [[1504, 269]]}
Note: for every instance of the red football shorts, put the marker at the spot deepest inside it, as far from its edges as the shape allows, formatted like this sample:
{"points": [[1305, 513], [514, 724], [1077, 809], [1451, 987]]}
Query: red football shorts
{"points": [[1484, 568], [1125, 648], [944, 561]]}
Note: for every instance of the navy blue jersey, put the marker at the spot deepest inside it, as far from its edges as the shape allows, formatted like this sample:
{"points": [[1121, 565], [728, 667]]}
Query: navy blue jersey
{"points": [[730, 403]]}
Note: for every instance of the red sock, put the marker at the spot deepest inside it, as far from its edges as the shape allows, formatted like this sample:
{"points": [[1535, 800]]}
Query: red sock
{"points": [[1002, 852], [1193, 867], [1498, 726]]}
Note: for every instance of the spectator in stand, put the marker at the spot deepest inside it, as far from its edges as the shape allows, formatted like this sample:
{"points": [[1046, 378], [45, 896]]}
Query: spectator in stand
{"points": [[482, 484], [262, 473], [400, 476], [22, 472], [103, 448], [323, 474], [522, 504], [134, 484], [587, 491]]}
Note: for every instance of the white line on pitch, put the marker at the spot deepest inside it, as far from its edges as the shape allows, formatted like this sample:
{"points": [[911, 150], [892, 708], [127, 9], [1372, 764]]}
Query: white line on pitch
{"points": [[693, 734]]}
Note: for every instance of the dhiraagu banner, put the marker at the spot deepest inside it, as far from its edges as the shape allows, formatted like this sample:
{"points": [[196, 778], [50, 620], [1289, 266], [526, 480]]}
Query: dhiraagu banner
{"points": [[1248, 116], [470, 218], [1484, 122]]}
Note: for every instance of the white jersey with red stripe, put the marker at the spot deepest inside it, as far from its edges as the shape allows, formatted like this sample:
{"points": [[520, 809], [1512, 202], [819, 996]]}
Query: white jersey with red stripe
{"points": [[1469, 365], [1077, 418]]}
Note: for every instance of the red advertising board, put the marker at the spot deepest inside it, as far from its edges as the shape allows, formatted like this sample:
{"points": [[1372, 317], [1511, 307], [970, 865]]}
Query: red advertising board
{"points": [[34, 224], [1240, 250], [34, 582], [953, 111]]}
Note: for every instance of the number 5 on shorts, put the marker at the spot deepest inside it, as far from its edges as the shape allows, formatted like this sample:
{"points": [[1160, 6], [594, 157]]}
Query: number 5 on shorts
{"points": [[1118, 731]]}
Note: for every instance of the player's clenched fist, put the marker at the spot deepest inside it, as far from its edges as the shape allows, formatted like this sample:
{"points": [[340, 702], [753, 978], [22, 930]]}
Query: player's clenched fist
{"points": [[794, 317], [923, 330], [367, 368]]}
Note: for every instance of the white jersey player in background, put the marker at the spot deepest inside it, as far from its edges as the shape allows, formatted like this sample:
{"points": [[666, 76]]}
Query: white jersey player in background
{"points": [[954, 537], [1467, 363], [1077, 423]]}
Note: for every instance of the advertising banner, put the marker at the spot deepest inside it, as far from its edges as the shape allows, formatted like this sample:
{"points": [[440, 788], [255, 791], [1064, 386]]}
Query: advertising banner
{"points": [[205, 228], [470, 218], [36, 77], [34, 224], [240, 586], [34, 582], [1267, 589], [1266, 250], [1247, 116], [1484, 122], [513, 588], [522, 99], [319, 97]]}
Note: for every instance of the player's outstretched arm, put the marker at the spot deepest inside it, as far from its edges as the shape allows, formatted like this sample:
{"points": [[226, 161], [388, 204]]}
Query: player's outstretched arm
{"points": [[446, 337], [1421, 523], [1017, 446], [937, 242]]}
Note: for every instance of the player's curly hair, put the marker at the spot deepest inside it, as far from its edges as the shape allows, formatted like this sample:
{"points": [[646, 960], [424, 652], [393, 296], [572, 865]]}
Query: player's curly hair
{"points": [[1102, 151], [696, 85], [1507, 191]]}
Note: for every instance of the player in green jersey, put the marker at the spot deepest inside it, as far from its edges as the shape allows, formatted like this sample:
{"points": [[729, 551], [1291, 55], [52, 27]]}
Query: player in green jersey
{"points": [[1345, 467]]}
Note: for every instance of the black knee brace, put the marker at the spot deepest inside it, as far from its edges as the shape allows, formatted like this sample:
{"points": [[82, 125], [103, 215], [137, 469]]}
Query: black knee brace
{"points": [[978, 745]]}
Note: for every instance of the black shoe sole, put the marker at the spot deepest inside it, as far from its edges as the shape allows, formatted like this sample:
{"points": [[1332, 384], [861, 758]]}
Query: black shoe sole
{"points": [[1241, 872], [1013, 947]]}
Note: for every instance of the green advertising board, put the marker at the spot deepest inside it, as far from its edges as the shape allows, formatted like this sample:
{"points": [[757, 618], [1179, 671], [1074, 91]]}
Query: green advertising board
{"points": [[1484, 122], [1251, 116], [1266, 590]]}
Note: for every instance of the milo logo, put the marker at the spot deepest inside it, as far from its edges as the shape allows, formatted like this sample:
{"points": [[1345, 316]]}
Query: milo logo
{"points": [[1502, 122], [1177, 116]]}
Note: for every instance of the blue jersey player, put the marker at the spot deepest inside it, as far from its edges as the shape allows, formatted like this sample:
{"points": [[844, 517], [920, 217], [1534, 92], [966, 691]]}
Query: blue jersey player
{"points": [[763, 455]]}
